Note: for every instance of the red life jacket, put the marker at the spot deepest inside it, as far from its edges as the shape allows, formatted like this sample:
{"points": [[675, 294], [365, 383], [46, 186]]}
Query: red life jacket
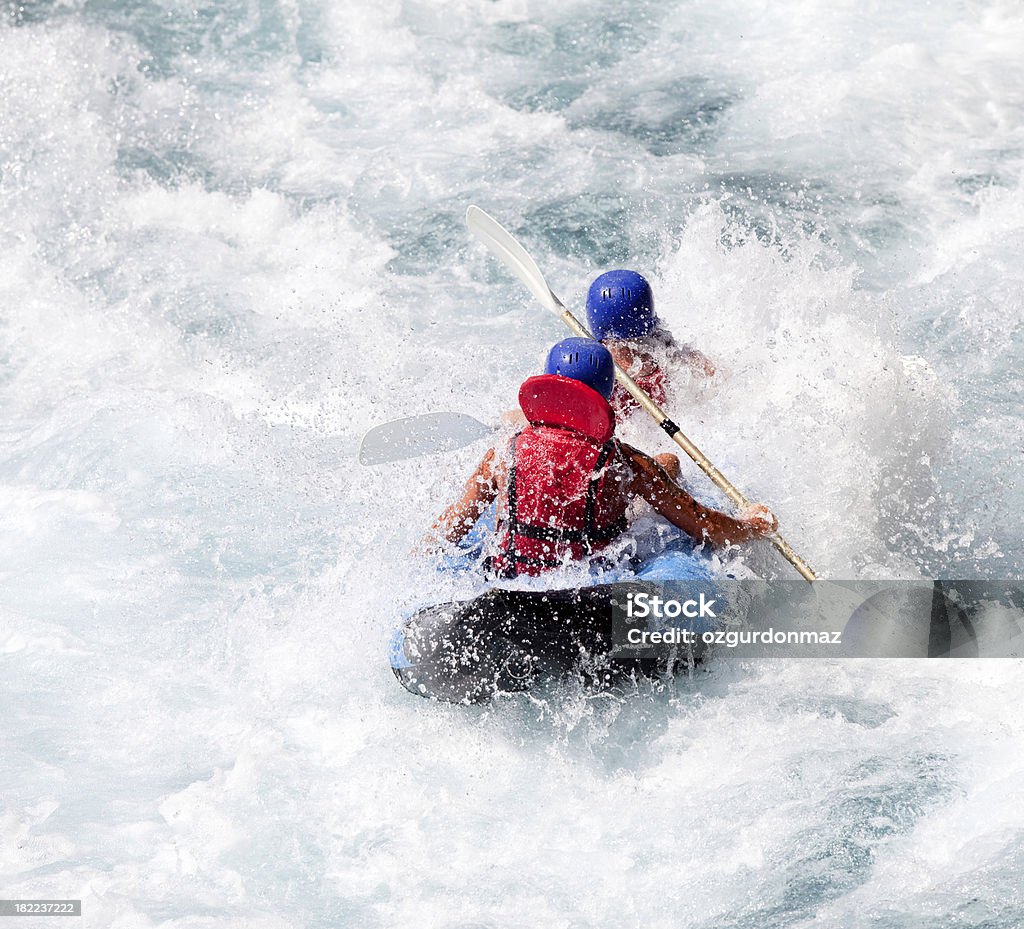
{"points": [[568, 484], [622, 400]]}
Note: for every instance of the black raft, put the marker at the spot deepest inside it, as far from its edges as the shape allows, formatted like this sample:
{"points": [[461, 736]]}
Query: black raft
{"points": [[511, 641]]}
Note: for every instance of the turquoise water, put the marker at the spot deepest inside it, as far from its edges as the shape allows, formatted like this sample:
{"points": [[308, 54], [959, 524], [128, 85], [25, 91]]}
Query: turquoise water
{"points": [[232, 241]]}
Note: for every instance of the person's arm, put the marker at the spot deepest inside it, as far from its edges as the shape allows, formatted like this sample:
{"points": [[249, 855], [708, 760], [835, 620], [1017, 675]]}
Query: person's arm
{"points": [[651, 482], [697, 360], [514, 419], [682, 354], [461, 516]]}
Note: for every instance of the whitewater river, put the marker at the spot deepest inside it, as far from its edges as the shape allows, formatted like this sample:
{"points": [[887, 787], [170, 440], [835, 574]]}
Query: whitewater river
{"points": [[231, 241]]}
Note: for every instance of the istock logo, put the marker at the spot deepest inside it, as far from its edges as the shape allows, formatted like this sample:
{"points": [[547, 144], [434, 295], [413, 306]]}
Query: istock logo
{"points": [[644, 605]]}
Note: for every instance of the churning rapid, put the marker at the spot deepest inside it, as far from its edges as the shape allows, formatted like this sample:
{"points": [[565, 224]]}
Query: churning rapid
{"points": [[232, 242]]}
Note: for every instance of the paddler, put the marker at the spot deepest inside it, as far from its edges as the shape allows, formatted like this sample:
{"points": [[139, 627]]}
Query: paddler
{"points": [[563, 484], [620, 314]]}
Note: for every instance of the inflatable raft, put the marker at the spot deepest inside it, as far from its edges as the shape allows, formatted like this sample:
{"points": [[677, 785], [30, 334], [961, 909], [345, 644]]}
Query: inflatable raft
{"points": [[514, 640]]}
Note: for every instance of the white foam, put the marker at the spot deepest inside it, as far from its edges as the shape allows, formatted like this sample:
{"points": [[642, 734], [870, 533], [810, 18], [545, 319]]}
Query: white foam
{"points": [[232, 242]]}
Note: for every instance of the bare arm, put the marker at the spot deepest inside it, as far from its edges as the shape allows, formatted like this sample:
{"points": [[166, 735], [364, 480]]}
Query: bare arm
{"points": [[651, 482], [697, 360], [684, 354], [514, 418], [459, 518]]}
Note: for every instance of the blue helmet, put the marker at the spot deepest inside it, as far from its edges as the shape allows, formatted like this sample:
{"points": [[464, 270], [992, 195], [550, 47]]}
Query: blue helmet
{"points": [[583, 360], [620, 305]]}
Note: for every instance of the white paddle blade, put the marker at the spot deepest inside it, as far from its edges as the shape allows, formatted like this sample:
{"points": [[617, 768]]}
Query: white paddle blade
{"points": [[426, 434], [504, 246]]}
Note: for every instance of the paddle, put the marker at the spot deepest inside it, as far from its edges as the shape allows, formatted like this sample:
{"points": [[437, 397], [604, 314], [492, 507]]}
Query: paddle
{"points": [[425, 434], [502, 244]]}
